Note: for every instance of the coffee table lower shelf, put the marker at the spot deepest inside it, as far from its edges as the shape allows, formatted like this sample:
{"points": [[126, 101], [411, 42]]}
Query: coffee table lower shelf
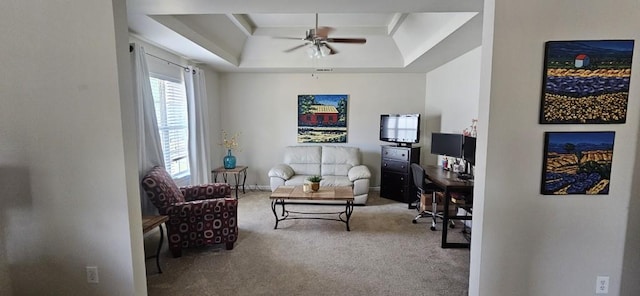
{"points": [[284, 195]]}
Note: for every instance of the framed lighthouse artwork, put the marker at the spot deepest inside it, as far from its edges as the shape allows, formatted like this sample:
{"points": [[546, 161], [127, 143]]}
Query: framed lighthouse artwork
{"points": [[586, 82], [322, 118]]}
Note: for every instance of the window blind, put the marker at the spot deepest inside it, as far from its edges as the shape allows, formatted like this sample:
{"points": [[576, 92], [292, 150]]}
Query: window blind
{"points": [[171, 111]]}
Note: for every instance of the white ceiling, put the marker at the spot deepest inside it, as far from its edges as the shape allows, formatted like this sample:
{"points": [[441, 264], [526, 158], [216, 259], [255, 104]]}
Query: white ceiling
{"points": [[236, 36]]}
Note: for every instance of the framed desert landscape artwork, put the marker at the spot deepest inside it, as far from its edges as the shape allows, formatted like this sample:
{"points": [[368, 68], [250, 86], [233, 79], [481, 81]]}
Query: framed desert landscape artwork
{"points": [[322, 118], [577, 162], [586, 81]]}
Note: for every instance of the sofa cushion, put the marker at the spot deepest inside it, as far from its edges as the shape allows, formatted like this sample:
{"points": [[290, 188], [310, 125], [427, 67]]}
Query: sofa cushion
{"points": [[304, 160], [335, 181], [296, 180], [338, 160], [326, 181]]}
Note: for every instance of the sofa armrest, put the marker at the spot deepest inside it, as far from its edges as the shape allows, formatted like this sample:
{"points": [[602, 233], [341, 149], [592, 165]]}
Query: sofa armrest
{"points": [[206, 191], [198, 207], [359, 172], [282, 171]]}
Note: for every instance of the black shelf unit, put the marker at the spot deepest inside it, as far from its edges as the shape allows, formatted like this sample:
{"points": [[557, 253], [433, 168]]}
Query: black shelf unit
{"points": [[395, 180]]}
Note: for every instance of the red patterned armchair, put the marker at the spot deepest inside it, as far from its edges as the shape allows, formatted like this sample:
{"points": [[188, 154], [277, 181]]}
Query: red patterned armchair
{"points": [[198, 215]]}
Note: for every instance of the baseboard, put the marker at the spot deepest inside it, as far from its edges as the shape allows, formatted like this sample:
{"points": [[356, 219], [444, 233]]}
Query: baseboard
{"points": [[263, 187]]}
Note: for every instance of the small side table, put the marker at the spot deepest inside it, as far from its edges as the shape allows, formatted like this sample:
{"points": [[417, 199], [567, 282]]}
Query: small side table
{"points": [[149, 223], [239, 173]]}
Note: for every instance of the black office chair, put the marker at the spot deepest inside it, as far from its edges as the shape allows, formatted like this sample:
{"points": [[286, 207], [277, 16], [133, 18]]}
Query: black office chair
{"points": [[426, 187]]}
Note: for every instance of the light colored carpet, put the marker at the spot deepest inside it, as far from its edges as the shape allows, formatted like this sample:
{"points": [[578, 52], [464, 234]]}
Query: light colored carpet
{"points": [[383, 254]]}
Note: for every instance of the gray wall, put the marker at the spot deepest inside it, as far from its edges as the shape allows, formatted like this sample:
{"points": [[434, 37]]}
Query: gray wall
{"points": [[64, 201], [452, 98], [525, 243], [263, 107]]}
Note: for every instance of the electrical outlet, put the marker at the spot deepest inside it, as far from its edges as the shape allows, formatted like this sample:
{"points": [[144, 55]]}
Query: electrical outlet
{"points": [[92, 275], [602, 284]]}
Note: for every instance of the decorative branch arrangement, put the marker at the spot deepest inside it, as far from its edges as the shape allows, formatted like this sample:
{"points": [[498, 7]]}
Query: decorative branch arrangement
{"points": [[230, 143]]}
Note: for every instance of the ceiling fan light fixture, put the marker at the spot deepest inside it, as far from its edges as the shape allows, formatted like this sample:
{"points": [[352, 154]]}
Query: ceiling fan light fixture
{"points": [[311, 51], [316, 51], [324, 51]]}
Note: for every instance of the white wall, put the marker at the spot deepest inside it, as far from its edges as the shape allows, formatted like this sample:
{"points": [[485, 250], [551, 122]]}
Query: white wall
{"points": [[263, 107], [129, 134], [525, 243], [64, 201], [631, 260], [215, 123], [452, 98]]}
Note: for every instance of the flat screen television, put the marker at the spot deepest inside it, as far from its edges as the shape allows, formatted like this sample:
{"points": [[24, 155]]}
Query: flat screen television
{"points": [[447, 144], [403, 129]]}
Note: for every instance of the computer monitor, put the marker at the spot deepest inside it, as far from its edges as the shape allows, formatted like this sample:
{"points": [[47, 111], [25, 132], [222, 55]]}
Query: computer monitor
{"points": [[469, 150], [469, 155], [447, 144]]}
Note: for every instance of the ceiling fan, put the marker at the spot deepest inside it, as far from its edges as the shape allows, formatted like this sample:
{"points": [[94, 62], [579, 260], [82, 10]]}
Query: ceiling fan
{"points": [[319, 40]]}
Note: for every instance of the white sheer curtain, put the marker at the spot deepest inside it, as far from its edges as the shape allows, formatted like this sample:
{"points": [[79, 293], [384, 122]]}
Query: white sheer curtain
{"points": [[199, 152], [149, 144]]}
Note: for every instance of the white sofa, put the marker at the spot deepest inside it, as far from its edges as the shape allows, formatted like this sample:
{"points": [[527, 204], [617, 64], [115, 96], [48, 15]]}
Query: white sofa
{"points": [[338, 166]]}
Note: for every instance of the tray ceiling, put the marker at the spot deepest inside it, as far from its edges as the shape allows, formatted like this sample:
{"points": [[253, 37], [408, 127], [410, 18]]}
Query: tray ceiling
{"points": [[402, 36]]}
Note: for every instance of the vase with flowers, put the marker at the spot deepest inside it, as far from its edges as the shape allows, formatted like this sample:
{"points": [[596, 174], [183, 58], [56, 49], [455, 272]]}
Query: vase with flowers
{"points": [[229, 161]]}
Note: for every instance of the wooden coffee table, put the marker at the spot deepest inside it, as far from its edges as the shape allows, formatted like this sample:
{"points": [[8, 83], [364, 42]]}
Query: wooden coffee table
{"points": [[284, 195]]}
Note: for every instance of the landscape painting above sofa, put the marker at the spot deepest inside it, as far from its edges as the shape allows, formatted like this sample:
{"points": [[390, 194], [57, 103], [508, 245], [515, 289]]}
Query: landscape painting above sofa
{"points": [[322, 118]]}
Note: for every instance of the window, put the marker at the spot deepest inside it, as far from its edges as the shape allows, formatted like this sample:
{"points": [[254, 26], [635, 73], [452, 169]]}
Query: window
{"points": [[171, 111]]}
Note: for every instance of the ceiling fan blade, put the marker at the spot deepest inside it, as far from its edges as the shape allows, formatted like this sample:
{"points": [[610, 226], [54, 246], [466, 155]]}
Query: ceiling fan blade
{"points": [[288, 38], [295, 47], [323, 32], [332, 50], [318, 37], [347, 40]]}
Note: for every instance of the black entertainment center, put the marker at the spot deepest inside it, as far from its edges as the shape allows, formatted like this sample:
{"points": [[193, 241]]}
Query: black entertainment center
{"points": [[402, 130], [395, 179]]}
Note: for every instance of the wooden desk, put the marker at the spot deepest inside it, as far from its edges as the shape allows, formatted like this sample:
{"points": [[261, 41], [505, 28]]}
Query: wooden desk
{"points": [[449, 183], [149, 223], [239, 173]]}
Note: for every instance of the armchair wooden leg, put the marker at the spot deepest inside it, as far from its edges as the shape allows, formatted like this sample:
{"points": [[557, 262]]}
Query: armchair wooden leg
{"points": [[229, 246]]}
